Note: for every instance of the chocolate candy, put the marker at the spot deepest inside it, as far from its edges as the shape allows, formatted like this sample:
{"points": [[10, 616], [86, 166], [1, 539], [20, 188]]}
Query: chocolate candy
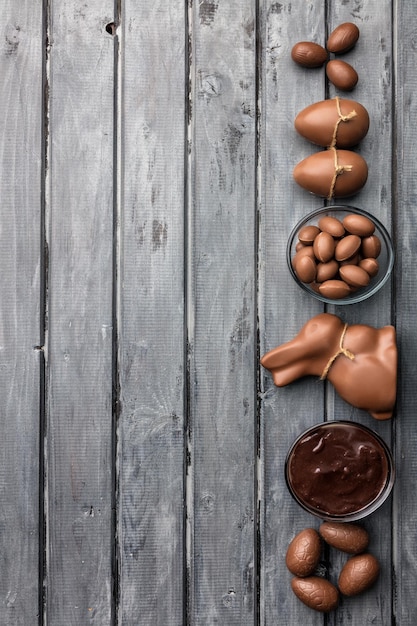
{"points": [[343, 38], [303, 553], [342, 75], [332, 173], [359, 361], [338, 262], [338, 121], [308, 54], [317, 593]]}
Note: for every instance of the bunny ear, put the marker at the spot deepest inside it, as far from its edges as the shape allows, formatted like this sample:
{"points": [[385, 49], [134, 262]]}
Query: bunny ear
{"points": [[287, 362], [307, 353]]}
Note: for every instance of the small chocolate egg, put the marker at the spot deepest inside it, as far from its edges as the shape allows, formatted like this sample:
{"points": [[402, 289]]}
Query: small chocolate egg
{"points": [[354, 275], [343, 38], [308, 233], [303, 553], [347, 247], [331, 225], [371, 246], [345, 536], [306, 269], [358, 225], [334, 289], [342, 75], [323, 247], [327, 174], [321, 122], [326, 271], [317, 593], [370, 265], [358, 574], [308, 54]]}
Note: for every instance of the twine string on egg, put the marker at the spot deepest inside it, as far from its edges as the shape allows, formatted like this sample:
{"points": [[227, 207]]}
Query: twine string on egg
{"points": [[341, 350], [342, 118], [338, 169]]}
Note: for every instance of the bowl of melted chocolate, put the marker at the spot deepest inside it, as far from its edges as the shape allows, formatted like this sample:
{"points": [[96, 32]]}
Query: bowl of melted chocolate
{"points": [[339, 471]]}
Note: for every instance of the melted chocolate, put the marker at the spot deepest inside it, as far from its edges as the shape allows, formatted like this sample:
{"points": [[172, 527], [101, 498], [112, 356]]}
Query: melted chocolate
{"points": [[337, 468]]}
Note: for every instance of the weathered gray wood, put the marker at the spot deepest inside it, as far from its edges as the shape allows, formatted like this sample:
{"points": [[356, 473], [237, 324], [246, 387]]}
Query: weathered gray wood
{"points": [[222, 294], [372, 59], [151, 313], [167, 259], [79, 369], [405, 213], [20, 332], [305, 407], [284, 308]]}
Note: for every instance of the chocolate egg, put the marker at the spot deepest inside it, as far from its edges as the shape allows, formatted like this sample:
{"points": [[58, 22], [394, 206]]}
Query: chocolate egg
{"points": [[305, 268], [334, 289], [322, 124], [308, 54], [323, 247], [303, 553], [326, 271], [343, 38], [308, 233], [332, 173], [347, 247], [371, 246], [354, 275], [358, 225], [345, 536], [358, 574], [331, 225], [342, 75], [370, 265], [317, 593]]}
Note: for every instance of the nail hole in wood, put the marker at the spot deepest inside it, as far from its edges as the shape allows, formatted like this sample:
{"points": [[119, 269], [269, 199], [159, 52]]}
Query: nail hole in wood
{"points": [[111, 28]]}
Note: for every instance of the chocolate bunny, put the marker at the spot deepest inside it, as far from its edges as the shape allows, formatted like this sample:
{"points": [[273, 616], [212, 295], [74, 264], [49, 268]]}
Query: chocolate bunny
{"points": [[359, 361]]}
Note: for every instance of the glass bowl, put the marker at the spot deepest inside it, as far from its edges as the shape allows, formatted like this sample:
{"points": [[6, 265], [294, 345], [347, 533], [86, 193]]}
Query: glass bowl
{"points": [[385, 258], [339, 471]]}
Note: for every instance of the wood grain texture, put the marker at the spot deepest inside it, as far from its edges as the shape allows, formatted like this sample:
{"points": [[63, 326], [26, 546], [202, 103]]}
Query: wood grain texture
{"points": [[405, 504], [372, 59], [79, 369], [20, 332], [151, 313], [292, 409], [222, 313], [162, 183], [284, 308]]}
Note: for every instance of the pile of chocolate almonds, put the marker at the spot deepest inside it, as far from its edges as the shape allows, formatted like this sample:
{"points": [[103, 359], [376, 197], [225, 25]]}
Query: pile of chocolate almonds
{"points": [[336, 124], [337, 257], [358, 574]]}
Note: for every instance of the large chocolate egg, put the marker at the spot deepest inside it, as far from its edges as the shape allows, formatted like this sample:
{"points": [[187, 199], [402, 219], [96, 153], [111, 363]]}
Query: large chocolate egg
{"points": [[338, 121], [332, 173]]}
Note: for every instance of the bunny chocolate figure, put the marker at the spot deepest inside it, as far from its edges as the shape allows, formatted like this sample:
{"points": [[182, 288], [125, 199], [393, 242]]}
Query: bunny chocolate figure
{"points": [[359, 361]]}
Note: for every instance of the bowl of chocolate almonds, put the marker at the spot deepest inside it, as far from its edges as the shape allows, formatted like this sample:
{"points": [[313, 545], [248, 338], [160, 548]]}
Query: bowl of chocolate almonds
{"points": [[340, 254]]}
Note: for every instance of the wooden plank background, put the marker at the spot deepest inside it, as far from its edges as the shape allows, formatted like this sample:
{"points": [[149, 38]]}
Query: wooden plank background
{"points": [[147, 196]]}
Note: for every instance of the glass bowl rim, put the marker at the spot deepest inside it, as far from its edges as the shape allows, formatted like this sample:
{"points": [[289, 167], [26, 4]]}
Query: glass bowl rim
{"points": [[372, 506], [362, 294]]}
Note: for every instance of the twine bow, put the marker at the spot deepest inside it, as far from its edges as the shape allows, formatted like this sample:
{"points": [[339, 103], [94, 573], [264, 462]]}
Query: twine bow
{"points": [[341, 350]]}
